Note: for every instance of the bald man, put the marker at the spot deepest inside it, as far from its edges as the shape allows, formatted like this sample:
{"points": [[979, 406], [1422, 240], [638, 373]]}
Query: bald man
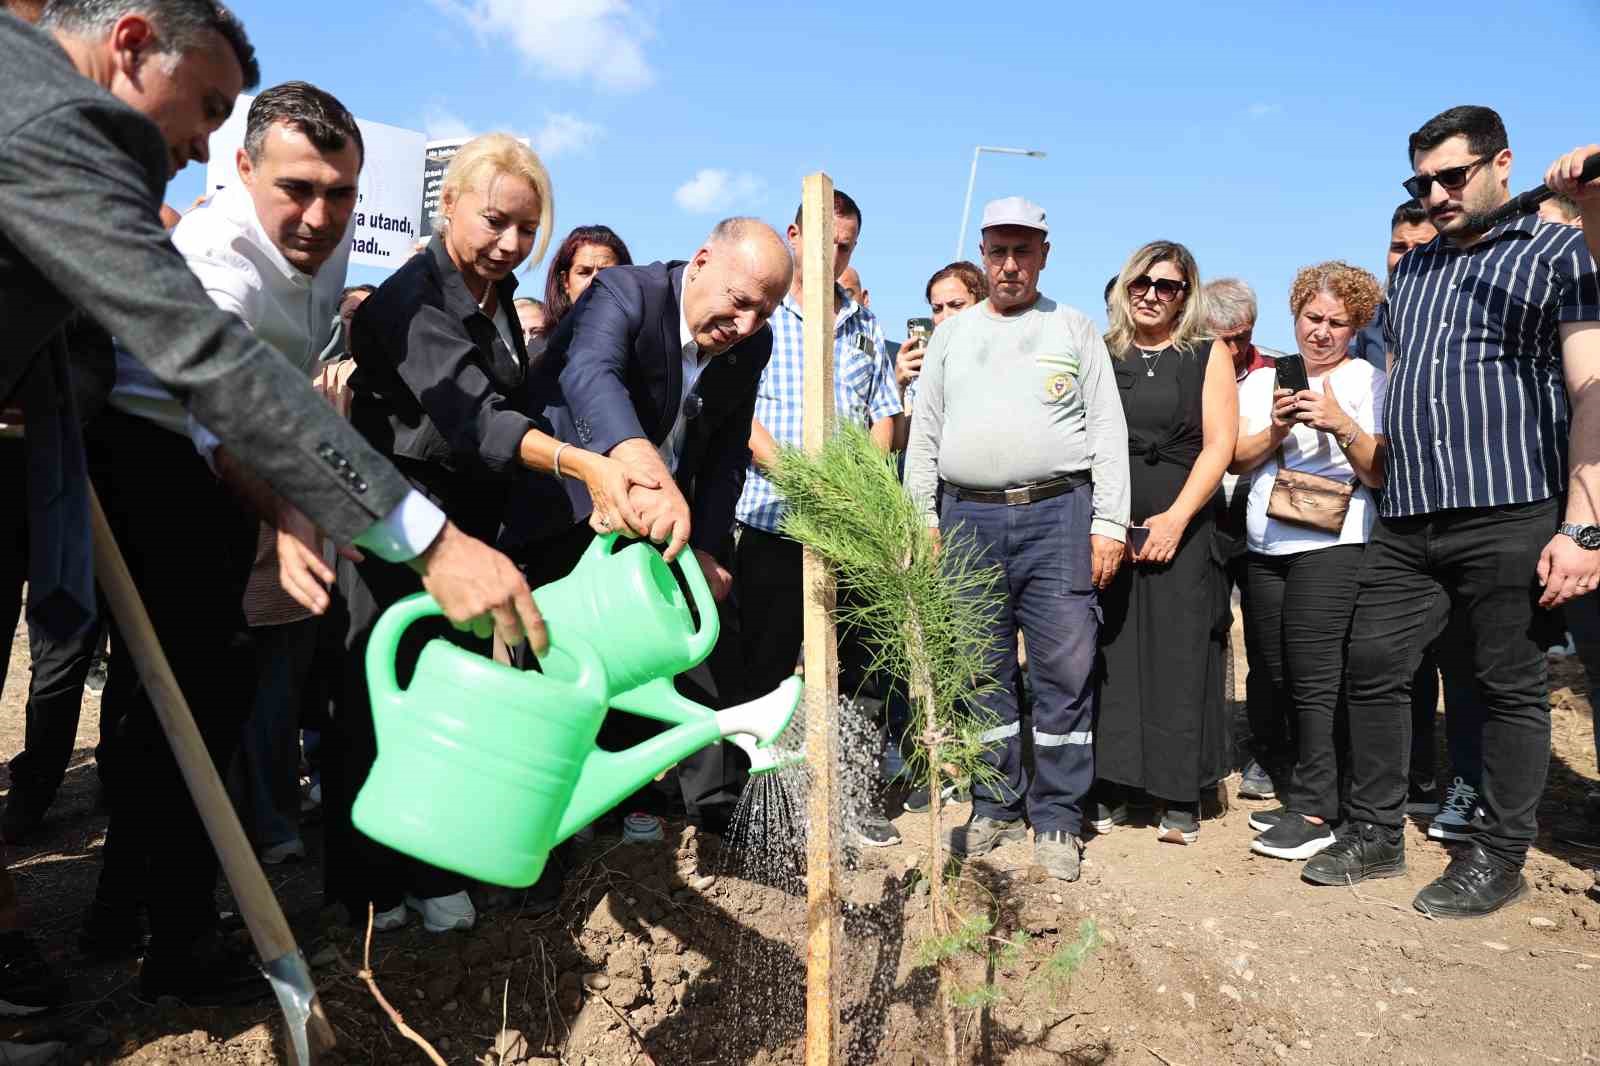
{"points": [[658, 366]]}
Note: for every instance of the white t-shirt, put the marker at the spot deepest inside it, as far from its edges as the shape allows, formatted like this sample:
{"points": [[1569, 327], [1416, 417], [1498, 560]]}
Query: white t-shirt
{"points": [[1360, 388]]}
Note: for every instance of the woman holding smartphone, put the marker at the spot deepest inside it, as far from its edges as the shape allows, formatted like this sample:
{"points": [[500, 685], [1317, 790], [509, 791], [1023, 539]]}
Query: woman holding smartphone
{"points": [[1316, 413], [1162, 730]]}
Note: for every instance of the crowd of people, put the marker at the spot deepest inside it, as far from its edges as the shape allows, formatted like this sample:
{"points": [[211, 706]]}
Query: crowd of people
{"points": [[1408, 493]]}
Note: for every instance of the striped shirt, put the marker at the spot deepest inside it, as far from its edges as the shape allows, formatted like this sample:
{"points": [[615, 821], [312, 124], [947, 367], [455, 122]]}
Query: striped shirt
{"points": [[864, 391], [1477, 406]]}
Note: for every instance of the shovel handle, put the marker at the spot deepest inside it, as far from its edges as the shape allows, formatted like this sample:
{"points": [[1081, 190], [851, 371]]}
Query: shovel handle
{"points": [[259, 907]]}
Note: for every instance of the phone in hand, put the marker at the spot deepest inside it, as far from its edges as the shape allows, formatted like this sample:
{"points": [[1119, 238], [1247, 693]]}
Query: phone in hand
{"points": [[918, 330], [1292, 373], [1137, 536]]}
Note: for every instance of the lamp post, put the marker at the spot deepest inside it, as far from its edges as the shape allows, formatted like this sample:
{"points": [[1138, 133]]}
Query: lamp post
{"points": [[972, 179]]}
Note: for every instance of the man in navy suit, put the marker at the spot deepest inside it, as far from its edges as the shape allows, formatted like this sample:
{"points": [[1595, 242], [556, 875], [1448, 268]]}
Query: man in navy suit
{"points": [[658, 366]]}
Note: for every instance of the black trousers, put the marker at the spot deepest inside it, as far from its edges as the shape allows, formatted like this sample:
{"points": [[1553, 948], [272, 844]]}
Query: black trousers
{"points": [[769, 585], [1300, 608], [59, 665], [1480, 565], [358, 870], [189, 545], [1267, 707]]}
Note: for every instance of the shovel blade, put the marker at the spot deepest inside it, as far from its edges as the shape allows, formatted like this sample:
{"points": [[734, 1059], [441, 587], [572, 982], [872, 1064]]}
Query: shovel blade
{"points": [[309, 1034]]}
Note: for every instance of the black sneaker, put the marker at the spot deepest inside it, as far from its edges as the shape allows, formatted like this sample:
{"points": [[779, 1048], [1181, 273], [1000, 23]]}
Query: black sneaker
{"points": [[876, 833], [1472, 886], [1422, 799], [1360, 850], [28, 984], [917, 800], [1179, 825], [1103, 818], [209, 973], [1261, 821], [1256, 784], [1293, 838], [23, 816], [111, 932]]}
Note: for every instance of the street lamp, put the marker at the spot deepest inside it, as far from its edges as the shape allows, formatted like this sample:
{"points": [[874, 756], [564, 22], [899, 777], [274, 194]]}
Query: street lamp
{"points": [[972, 179]]}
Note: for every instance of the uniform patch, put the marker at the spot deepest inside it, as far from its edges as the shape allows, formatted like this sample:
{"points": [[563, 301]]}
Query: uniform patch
{"points": [[1058, 387]]}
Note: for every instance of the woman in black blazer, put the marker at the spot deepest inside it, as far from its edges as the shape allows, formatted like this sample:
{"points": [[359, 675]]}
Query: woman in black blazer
{"points": [[438, 388]]}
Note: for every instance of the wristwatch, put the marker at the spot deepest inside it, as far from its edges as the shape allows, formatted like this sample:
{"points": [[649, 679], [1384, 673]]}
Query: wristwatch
{"points": [[1587, 537]]}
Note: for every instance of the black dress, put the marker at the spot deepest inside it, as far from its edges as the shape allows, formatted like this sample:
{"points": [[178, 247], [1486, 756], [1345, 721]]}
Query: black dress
{"points": [[1162, 725]]}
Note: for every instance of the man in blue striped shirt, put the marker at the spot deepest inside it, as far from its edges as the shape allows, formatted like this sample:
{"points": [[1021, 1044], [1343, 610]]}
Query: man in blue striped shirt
{"points": [[767, 578], [1491, 329]]}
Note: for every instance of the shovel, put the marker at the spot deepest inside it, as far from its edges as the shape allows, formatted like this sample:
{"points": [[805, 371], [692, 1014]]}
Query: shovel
{"points": [[309, 1032]]}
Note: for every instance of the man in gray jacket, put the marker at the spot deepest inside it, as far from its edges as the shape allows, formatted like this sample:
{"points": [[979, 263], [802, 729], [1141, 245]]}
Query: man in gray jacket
{"points": [[98, 109], [1019, 446]]}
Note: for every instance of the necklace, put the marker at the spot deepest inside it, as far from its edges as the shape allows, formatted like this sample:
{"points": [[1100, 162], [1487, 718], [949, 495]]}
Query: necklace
{"points": [[1149, 367]]}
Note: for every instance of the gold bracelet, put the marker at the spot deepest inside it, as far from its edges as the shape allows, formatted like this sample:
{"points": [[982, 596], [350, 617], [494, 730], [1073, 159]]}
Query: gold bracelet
{"points": [[1355, 431], [559, 449]]}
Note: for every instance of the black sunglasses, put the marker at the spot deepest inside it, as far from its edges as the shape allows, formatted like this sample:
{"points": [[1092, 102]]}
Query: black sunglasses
{"points": [[1167, 290], [1452, 178]]}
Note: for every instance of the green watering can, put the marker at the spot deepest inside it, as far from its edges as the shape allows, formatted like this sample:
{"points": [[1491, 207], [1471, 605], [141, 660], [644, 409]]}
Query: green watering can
{"points": [[483, 768]]}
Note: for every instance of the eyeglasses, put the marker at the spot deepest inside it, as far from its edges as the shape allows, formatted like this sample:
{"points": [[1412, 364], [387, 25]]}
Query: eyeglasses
{"points": [[1452, 178], [1167, 290]]}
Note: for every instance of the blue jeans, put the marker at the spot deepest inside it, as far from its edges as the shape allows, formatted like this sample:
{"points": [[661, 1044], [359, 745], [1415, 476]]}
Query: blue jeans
{"points": [[1046, 592]]}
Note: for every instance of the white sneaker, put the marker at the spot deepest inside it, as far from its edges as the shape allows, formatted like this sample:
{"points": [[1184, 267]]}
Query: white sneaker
{"points": [[394, 918], [1454, 820], [444, 914], [291, 850]]}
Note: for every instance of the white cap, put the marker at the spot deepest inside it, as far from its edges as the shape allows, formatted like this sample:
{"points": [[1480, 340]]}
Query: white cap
{"points": [[1014, 211]]}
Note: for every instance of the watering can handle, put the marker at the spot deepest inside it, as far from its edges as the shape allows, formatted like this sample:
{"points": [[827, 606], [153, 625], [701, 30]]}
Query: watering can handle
{"points": [[384, 642], [705, 638]]}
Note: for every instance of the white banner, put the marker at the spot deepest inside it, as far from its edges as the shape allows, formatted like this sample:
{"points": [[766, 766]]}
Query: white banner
{"points": [[391, 185]]}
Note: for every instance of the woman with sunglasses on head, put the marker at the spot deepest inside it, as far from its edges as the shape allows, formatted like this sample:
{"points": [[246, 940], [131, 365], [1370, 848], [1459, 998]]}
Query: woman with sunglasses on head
{"points": [[1302, 564], [439, 388], [1162, 729]]}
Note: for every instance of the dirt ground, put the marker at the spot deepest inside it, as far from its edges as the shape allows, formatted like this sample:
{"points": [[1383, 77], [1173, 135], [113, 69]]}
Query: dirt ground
{"points": [[674, 954]]}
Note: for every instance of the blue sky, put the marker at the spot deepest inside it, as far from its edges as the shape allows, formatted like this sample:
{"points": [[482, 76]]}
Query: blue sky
{"points": [[1263, 135]]}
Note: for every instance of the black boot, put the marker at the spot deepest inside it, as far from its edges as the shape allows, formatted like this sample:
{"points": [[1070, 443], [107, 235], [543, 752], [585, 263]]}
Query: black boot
{"points": [[209, 972], [1474, 884], [1360, 850], [28, 985]]}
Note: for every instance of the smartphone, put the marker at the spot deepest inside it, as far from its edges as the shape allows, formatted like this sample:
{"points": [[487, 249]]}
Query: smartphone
{"points": [[918, 330], [1292, 373], [1137, 535]]}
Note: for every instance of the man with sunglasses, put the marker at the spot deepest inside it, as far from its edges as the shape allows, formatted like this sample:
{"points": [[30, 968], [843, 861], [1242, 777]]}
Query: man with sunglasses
{"points": [[1491, 328]]}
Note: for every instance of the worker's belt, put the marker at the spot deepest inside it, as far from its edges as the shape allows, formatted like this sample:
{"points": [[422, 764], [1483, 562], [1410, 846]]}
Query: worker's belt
{"points": [[1039, 490]]}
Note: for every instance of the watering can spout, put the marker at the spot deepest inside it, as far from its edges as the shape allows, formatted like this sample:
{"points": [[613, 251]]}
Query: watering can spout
{"points": [[755, 725]]}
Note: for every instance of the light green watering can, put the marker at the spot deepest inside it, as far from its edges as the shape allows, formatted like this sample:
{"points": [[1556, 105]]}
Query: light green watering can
{"points": [[483, 768]]}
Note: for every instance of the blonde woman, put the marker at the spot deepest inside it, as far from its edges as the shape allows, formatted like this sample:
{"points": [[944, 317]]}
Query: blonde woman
{"points": [[438, 387], [1162, 730], [1302, 582]]}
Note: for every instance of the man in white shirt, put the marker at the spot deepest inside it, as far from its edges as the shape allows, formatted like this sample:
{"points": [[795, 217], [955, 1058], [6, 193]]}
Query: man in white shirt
{"points": [[272, 251]]}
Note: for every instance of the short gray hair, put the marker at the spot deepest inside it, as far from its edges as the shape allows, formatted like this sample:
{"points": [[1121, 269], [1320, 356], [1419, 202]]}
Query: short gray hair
{"points": [[1232, 305], [181, 26]]}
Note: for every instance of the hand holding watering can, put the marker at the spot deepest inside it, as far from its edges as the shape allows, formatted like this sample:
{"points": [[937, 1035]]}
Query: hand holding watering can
{"points": [[483, 768]]}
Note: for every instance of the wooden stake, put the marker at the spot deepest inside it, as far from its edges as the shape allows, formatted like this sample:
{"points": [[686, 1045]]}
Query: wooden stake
{"points": [[821, 648]]}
